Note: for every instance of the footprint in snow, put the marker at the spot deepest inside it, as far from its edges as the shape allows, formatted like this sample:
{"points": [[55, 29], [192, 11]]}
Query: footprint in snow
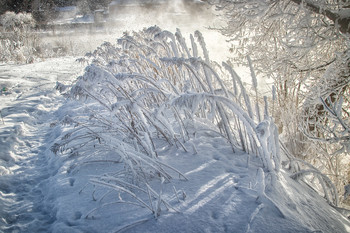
{"points": [[71, 181]]}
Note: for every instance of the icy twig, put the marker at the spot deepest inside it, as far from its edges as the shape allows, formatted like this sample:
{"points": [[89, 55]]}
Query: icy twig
{"points": [[253, 215], [128, 226]]}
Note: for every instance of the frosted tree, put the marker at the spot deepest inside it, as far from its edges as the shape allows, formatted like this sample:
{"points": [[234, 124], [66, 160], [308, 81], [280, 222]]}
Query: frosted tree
{"points": [[17, 38], [303, 46], [326, 121]]}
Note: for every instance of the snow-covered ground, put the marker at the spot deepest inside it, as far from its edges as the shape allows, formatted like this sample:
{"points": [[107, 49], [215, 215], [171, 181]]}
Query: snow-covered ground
{"points": [[43, 192], [28, 105]]}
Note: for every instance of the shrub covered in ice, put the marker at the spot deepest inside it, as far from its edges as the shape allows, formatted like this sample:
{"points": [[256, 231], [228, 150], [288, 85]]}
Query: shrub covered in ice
{"points": [[18, 42]]}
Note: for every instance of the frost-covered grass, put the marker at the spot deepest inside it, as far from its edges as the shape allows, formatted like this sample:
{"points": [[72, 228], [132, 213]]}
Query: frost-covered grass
{"points": [[147, 93]]}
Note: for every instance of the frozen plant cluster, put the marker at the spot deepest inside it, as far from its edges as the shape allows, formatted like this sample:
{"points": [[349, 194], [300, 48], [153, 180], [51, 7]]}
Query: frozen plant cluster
{"points": [[17, 38], [148, 93], [22, 42]]}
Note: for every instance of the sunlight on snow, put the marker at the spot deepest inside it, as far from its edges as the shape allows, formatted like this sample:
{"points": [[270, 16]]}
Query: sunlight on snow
{"points": [[210, 196], [200, 168], [213, 184]]}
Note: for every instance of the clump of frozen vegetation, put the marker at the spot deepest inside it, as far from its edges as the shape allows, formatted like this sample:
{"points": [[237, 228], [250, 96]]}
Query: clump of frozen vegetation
{"points": [[18, 42], [151, 91]]}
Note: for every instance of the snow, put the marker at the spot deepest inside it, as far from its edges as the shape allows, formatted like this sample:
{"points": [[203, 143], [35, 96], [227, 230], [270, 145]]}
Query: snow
{"points": [[219, 190], [27, 107]]}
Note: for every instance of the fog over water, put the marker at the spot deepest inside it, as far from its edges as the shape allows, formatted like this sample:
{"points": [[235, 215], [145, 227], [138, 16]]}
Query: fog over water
{"points": [[129, 16]]}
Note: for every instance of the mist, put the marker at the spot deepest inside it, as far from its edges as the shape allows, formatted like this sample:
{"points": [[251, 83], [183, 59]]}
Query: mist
{"points": [[128, 16]]}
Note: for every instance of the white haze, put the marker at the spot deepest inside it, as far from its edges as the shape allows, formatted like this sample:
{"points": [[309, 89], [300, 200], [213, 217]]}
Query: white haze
{"points": [[171, 15]]}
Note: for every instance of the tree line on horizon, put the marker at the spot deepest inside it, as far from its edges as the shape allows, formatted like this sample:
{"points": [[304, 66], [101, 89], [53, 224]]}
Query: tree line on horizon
{"points": [[43, 11]]}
